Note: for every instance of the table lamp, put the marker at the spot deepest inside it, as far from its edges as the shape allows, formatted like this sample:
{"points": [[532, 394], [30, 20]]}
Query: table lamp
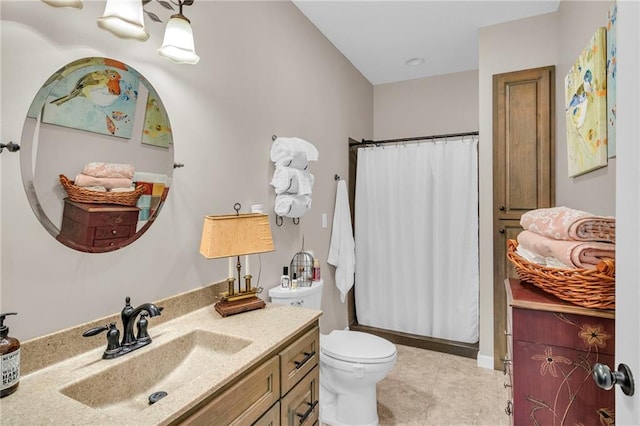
{"points": [[233, 236]]}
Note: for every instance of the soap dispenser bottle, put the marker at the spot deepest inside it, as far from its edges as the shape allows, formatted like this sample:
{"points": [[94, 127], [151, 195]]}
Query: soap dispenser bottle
{"points": [[285, 281], [10, 363]]}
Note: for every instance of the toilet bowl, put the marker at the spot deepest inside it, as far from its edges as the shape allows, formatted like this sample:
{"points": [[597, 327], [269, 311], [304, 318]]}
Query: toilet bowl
{"points": [[351, 364]]}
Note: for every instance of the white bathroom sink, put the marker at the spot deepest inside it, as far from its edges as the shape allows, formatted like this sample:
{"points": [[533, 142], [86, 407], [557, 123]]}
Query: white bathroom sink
{"points": [[164, 367]]}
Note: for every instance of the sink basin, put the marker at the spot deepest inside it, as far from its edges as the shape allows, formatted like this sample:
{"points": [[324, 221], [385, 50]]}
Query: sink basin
{"points": [[167, 366]]}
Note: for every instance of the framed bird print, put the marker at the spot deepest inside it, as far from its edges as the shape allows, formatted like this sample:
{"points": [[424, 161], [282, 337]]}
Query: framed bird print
{"points": [[586, 108], [98, 95], [612, 71]]}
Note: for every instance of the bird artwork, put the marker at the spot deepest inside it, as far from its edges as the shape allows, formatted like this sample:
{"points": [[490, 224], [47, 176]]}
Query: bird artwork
{"points": [[102, 87], [579, 103]]}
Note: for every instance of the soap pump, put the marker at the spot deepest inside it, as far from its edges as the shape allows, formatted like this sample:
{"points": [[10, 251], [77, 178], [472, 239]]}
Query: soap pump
{"points": [[10, 361]]}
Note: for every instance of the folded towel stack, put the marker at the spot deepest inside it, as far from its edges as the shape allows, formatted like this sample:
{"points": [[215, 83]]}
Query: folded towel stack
{"points": [[292, 181], [103, 177], [561, 237]]}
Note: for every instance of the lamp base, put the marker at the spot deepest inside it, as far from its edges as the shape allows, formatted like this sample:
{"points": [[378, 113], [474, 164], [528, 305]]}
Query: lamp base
{"points": [[226, 308]]}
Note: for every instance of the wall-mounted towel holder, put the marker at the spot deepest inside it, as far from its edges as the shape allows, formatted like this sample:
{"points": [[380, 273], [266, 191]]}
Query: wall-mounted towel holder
{"points": [[280, 219]]}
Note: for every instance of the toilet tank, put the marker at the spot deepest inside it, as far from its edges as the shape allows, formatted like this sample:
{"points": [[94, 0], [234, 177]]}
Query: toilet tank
{"points": [[306, 297]]}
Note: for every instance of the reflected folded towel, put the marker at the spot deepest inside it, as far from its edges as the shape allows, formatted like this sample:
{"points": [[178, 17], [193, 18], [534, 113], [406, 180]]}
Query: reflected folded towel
{"points": [[293, 152], [292, 205], [292, 181], [108, 170], [532, 257], [130, 189], [575, 254], [109, 183], [563, 223], [96, 188]]}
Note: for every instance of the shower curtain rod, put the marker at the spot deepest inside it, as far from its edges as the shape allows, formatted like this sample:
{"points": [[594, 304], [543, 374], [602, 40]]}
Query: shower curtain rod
{"points": [[365, 142]]}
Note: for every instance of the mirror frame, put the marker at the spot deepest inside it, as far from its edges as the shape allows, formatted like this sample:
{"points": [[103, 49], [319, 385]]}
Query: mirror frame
{"points": [[27, 163]]}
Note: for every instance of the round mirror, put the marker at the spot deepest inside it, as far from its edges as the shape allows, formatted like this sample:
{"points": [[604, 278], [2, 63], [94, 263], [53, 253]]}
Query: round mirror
{"points": [[96, 155]]}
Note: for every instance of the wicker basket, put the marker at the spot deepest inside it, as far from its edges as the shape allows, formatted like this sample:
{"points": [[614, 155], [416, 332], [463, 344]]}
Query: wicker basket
{"points": [[82, 195], [591, 288]]}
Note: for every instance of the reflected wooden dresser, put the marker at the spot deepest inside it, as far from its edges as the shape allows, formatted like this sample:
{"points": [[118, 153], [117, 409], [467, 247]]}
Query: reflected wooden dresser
{"points": [[97, 225], [552, 347]]}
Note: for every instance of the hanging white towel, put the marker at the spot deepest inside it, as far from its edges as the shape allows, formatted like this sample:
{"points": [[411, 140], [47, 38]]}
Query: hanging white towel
{"points": [[292, 181], [293, 206], [342, 253], [293, 152]]}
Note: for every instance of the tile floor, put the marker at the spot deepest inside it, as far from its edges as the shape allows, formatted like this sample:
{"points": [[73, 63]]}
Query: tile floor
{"points": [[432, 388]]}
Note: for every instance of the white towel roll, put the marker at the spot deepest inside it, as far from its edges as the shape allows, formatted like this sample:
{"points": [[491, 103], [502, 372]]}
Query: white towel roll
{"points": [[293, 152], [292, 181], [293, 206]]}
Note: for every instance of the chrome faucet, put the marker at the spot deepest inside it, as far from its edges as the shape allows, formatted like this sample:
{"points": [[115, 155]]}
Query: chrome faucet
{"points": [[130, 342]]}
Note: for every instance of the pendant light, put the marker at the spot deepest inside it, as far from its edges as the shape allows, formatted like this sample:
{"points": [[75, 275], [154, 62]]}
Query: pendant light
{"points": [[178, 45], [125, 19], [64, 3]]}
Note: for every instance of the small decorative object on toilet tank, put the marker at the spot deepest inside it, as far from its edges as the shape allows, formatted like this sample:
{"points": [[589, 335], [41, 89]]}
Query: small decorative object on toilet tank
{"points": [[302, 266], [10, 363], [285, 281], [316, 269]]}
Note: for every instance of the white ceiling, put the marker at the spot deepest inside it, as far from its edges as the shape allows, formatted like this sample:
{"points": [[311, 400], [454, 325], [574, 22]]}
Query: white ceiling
{"points": [[378, 37]]}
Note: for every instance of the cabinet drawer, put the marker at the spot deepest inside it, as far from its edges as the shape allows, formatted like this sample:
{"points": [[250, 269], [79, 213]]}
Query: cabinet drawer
{"points": [[301, 405], [271, 417], [298, 359], [108, 232], [564, 330], [552, 383], [245, 402]]}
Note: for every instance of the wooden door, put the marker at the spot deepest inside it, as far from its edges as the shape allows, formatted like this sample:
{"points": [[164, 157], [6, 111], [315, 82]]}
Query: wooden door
{"points": [[523, 170]]}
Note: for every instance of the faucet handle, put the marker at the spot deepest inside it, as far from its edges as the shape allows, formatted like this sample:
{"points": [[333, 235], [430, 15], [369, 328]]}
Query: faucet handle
{"points": [[113, 335], [94, 331]]}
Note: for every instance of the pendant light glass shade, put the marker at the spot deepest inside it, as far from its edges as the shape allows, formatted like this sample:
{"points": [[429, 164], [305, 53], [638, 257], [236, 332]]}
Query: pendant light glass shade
{"points": [[125, 19], [177, 45], [64, 3]]}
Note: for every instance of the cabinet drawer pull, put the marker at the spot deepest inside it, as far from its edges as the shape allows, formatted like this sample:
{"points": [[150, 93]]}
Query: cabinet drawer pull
{"points": [[502, 231], [304, 416], [307, 357], [501, 208], [509, 408]]}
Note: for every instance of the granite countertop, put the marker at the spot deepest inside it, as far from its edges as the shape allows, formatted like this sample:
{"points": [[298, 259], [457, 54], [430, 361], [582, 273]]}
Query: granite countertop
{"points": [[39, 398]]}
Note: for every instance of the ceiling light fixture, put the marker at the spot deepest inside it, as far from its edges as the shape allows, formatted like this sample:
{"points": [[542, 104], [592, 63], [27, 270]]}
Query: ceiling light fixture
{"points": [[178, 45], [125, 19], [414, 62]]}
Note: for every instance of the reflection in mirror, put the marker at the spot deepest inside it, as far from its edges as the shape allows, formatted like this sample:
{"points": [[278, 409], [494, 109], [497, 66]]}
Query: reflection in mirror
{"points": [[96, 155]]}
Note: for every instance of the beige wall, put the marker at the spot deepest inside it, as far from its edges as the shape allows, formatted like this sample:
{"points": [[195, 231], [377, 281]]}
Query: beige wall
{"points": [[264, 70], [552, 39], [426, 106]]}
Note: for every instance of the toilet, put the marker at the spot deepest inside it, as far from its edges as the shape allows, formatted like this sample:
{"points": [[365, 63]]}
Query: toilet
{"points": [[351, 364]]}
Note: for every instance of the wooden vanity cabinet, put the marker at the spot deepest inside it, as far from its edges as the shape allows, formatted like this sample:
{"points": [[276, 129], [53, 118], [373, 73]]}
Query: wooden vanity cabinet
{"points": [[283, 389], [97, 225], [553, 346]]}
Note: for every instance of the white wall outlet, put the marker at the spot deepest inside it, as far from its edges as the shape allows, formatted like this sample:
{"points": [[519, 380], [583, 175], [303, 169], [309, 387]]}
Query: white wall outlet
{"points": [[324, 220]]}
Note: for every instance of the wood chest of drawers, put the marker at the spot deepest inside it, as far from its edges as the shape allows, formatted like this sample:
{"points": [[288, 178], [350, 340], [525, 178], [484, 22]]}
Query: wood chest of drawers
{"points": [[553, 346], [97, 225]]}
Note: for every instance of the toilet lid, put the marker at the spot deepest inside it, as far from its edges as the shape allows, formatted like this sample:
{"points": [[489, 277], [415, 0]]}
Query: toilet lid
{"points": [[355, 346]]}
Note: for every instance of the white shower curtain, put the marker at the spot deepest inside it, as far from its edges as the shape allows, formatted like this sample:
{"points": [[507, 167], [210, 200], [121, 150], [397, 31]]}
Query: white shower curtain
{"points": [[416, 237]]}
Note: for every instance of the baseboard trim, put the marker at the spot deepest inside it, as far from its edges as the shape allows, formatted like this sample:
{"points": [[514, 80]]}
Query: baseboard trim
{"points": [[485, 361]]}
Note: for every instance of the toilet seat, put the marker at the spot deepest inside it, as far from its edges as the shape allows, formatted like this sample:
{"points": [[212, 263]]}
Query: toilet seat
{"points": [[357, 347]]}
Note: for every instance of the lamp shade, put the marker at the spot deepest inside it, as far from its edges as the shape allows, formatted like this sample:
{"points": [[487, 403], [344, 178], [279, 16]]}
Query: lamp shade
{"points": [[235, 235], [177, 44], [125, 19], [64, 3]]}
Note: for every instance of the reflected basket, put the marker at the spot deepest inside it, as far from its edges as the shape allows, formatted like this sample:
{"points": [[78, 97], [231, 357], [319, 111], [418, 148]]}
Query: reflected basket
{"points": [[590, 288], [82, 195]]}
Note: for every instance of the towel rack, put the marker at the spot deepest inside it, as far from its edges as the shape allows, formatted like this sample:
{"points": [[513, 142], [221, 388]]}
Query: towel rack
{"points": [[336, 177]]}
